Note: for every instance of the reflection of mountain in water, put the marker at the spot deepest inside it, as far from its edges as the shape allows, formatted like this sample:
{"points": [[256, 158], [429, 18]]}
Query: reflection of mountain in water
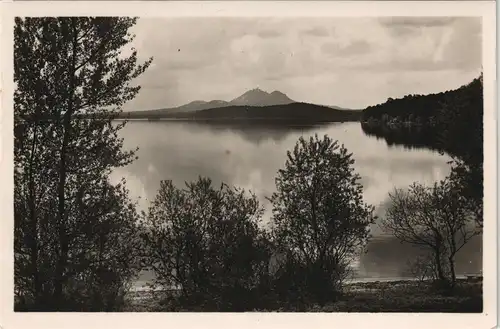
{"points": [[259, 131]]}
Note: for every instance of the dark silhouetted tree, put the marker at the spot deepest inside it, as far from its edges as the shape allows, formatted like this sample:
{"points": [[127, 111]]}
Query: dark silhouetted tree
{"points": [[461, 135], [74, 230], [206, 242], [320, 221], [434, 218]]}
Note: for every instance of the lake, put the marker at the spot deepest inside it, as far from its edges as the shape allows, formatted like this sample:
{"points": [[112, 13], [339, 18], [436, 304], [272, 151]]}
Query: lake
{"points": [[249, 156]]}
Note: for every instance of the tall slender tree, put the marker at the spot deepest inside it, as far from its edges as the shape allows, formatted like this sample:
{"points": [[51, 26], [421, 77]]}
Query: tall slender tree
{"points": [[73, 228]]}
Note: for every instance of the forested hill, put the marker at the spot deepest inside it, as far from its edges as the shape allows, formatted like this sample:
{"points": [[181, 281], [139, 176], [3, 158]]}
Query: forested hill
{"points": [[427, 108], [286, 112], [454, 119]]}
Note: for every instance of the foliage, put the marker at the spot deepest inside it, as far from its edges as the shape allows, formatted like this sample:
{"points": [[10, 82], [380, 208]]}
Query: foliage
{"points": [[320, 221], [459, 114], [432, 217], [462, 135], [431, 109], [469, 179], [74, 231], [207, 243]]}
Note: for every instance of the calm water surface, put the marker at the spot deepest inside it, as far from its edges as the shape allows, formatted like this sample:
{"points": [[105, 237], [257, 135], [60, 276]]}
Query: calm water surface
{"points": [[249, 157]]}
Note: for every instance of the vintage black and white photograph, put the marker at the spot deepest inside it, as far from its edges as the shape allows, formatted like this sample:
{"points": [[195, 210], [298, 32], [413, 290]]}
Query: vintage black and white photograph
{"points": [[248, 164]]}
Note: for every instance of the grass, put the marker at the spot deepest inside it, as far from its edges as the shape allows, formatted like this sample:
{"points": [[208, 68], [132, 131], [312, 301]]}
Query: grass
{"points": [[394, 296], [407, 296]]}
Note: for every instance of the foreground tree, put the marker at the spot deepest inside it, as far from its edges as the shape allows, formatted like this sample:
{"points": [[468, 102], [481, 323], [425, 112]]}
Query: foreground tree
{"points": [[206, 242], [434, 218], [74, 231], [320, 221]]}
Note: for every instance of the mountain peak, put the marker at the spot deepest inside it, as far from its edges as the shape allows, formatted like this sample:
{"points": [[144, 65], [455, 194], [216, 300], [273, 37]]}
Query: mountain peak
{"points": [[277, 92], [256, 91], [258, 97]]}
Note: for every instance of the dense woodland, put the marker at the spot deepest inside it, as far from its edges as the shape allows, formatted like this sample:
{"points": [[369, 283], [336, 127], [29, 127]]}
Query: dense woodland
{"points": [[79, 241], [451, 120]]}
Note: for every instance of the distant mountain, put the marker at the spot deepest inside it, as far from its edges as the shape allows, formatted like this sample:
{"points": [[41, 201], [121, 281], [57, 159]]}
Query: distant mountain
{"points": [[196, 106], [253, 105], [258, 97], [254, 97]]}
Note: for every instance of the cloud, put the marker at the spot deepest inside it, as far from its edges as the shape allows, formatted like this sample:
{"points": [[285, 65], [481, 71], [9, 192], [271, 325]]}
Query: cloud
{"points": [[269, 34], [320, 60], [430, 44], [464, 44], [418, 22], [355, 48], [316, 32], [406, 27], [188, 64]]}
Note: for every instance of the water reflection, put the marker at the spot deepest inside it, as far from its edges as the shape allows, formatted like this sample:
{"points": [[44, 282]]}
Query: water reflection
{"points": [[250, 155], [409, 137]]}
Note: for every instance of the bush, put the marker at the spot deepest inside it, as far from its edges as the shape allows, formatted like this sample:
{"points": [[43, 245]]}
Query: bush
{"points": [[207, 243]]}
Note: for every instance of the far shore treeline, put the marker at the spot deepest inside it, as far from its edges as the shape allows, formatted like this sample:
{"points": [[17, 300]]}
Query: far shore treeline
{"points": [[80, 241]]}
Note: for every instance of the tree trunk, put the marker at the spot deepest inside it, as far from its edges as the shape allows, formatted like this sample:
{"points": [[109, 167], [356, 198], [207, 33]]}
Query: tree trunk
{"points": [[34, 225], [451, 260], [63, 243], [63, 238], [452, 271], [439, 267]]}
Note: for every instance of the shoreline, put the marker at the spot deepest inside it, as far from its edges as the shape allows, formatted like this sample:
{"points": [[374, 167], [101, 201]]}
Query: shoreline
{"points": [[352, 282], [407, 295]]}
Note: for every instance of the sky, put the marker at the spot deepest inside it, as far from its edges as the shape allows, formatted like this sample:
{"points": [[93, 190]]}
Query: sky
{"points": [[350, 62]]}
